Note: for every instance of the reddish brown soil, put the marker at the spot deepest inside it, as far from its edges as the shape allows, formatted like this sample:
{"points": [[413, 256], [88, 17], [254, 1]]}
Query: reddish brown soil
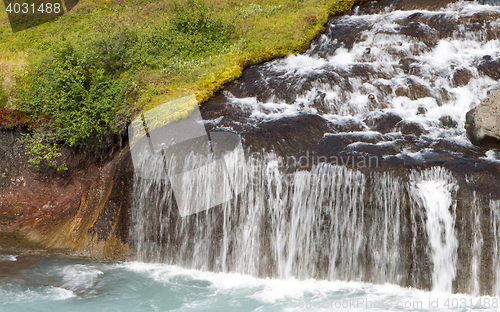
{"points": [[37, 201]]}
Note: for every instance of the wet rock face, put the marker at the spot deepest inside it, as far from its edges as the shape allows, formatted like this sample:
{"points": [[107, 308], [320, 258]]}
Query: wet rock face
{"points": [[461, 77], [55, 209], [410, 128], [384, 123], [413, 90], [490, 67], [292, 136], [483, 123], [35, 199], [448, 122]]}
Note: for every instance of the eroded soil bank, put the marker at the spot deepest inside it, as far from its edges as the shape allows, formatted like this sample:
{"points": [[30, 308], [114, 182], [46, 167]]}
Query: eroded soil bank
{"points": [[50, 209]]}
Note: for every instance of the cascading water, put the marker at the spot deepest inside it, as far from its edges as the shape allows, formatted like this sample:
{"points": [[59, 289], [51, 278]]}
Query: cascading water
{"points": [[392, 85], [495, 224], [433, 191], [305, 224], [419, 65], [477, 245]]}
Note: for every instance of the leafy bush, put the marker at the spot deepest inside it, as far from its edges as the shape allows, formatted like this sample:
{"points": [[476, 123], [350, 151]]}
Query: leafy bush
{"points": [[75, 101], [42, 150], [113, 51], [74, 98], [3, 96]]}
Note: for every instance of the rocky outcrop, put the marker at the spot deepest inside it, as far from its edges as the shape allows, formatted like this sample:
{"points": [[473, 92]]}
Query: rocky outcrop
{"points": [[60, 210], [483, 122]]}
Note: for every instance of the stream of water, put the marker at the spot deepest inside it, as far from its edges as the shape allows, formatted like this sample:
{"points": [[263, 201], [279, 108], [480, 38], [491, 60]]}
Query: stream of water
{"points": [[57, 284]]}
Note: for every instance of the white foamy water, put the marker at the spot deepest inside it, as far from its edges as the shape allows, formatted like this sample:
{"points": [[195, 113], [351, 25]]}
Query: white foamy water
{"points": [[433, 189], [80, 276], [8, 258], [12, 295], [410, 76], [136, 286]]}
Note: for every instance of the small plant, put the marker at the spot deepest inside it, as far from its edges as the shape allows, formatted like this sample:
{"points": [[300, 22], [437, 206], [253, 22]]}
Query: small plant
{"points": [[42, 152], [195, 17], [3, 96]]}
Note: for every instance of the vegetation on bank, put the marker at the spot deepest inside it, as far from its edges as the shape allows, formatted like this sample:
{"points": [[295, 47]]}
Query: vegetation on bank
{"points": [[79, 80]]}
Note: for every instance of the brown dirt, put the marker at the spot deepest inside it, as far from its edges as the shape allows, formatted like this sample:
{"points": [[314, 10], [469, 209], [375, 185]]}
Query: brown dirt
{"points": [[37, 202]]}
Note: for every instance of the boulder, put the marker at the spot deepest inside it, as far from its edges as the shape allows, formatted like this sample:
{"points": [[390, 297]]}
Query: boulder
{"points": [[410, 128], [384, 123], [483, 122]]}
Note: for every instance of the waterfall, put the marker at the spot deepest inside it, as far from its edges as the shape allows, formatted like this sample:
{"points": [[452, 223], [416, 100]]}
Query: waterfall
{"points": [[495, 224], [394, 86], [477, 245], [329, 222], [433, 190], [302, 224]]}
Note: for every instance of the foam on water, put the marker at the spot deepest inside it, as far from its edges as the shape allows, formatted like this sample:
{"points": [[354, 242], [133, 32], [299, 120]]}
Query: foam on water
{"points": [[341, 75], [492, 155], [8, 258], [136, 286], [433, 190], [288, 294], [12, 294], [80, 276]]}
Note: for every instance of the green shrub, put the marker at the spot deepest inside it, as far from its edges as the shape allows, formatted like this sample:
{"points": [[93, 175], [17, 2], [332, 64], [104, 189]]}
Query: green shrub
{"points": [[113, 52], [74, 100], [3, 96], [42, 151]]}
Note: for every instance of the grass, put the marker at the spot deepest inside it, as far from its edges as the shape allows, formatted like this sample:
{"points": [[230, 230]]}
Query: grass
{"points": [[162, 54]]}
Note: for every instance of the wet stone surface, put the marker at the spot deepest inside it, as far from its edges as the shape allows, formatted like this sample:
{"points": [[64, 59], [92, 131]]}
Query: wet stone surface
{"points": [[398, 73]]}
